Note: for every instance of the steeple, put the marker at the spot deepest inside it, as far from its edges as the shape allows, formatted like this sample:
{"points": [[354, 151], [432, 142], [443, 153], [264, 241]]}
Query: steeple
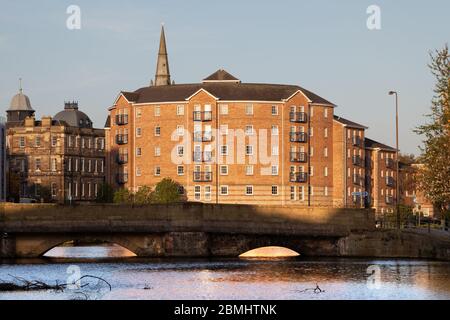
{"points": [[162, 77]]}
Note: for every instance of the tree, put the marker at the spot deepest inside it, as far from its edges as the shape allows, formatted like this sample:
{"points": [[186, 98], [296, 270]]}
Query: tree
{"points": [[434, 177], [167, 191], [143, 196], [105, 194], [123, 196]]}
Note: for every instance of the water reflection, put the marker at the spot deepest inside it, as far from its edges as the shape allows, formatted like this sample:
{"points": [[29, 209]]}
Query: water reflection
{"points": [[287, 278]]}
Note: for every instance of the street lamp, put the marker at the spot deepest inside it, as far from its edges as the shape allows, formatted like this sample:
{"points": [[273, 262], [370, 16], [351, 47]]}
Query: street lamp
{"points": [[397, 198]]}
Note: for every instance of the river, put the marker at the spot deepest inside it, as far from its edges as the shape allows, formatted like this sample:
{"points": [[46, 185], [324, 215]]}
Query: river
{"points": [[249, 278]]}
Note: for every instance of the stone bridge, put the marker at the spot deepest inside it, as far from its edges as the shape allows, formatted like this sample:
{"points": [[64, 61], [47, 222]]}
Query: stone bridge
{"points": [[203, 230]]}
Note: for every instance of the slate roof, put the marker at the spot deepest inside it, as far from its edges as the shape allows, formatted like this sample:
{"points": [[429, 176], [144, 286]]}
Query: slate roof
{"points": [[372, 144], [349, 123]]}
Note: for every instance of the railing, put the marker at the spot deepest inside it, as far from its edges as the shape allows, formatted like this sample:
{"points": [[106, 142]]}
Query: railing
{"points": [[357, 161], [205, 136], [298, 157], [297, 136], [202, 176], [202, 116], [122, 158], [122, 138], [121, 119], [356, 199], [357, 179], [356, 140], [389, 163], [205, 156], [390, 182], [298, 177], [298, 117], [122, 178], [389, 200]]}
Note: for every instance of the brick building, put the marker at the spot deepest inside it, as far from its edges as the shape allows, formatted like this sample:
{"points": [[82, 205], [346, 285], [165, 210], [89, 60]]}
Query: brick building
{"points": [[2, 159], [59, 158]]}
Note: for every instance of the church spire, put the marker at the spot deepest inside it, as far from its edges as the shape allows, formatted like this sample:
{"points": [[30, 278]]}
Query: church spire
{"points": [[162, 77]]}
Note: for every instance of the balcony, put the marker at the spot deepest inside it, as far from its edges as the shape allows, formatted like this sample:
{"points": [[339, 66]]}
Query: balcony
{"points": [[298, 157], [202, 116], [205, 156], [357, 179], [205, 136], [390, 182], [356, 199], [357, 161], [121, 119], [299, 117], [389, 200], [298, 177], [122, 158], [122, 178], [202, 176], [297, 136], [390, 163], [357, 141], [122, 138]]}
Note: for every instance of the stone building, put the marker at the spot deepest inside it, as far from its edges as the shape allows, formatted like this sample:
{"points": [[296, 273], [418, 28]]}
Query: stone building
{"points": [[2, 159], [53, 159]]}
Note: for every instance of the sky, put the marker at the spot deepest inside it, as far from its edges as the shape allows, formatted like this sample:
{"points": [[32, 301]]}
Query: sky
{"points": [[323, 46]]}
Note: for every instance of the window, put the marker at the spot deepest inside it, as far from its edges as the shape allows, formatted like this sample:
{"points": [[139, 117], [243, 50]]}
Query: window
{"points": [[53, 164], [325, 171], [223, 109], [311, 171], [82, 189], [157, 111], [197, 192], [249, 170], [249, 190], [325, 112], [180, 151], [224, 170], [138, 152], [102, 167], [138, 112], [138, 132], [311, 131], [292, 194], [311, 190], [89, 165], [311, 111], [181, 190], [157, 171], [274, 110], [54, 141], [248, 130], [325, 152], [249, 109], [95, 165], [180, 130], [22, 142], [325, 132], [275, 151], [180, 170], [138, 172], [207, 193], [223, 129], [274, 170], [180, 110], [301, 193], [95, 189], [37, 164], [224, 190], [325, 191], [249, 150], [224, 150], [157, 131], [311, 151], [157, 151], [274, 130], [37, 141], [54, 190], [274, 190]]}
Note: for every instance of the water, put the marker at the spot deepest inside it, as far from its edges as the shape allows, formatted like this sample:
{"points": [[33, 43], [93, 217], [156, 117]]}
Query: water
{"points": [[135, 278]]}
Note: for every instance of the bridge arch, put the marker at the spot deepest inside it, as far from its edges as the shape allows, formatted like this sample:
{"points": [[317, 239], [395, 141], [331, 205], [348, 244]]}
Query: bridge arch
{"points": [[270, 252]]}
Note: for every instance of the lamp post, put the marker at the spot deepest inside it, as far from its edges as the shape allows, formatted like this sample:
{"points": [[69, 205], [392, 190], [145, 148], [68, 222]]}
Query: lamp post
{"points": [[397, 198]]}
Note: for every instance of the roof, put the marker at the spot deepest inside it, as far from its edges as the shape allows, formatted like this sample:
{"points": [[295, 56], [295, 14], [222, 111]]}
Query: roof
{"points": [[349, 123], [108, 122], [372, 144], [221, 75], [20, 102], [74, 118], [227, 91]]}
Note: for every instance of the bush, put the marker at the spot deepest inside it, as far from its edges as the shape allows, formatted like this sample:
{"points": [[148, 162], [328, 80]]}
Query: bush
{"points": [[122, 196], [167, 191], [105, 194], [144, 196]]}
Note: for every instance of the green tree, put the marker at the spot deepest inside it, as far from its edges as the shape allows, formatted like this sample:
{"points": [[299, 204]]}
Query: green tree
{"points": [[143, 196], [105, 194], [123, 196], [167, 191], [434, 177]]}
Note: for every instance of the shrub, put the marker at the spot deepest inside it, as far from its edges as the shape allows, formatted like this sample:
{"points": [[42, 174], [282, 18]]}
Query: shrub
{"points": [[167, 191], [122, 196]]}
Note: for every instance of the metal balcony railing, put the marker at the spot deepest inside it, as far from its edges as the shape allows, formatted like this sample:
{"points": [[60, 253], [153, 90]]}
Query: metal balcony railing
{"points": [[390, 182], [357, 179], [357, 141], [122, 158], [122, 138], [122, 178], [298, 117], [390, 163], [389, 200], [202, 176], [121, 119], [357, 161], [202, 116], [297, 136], [298, 177], [298, 157]]}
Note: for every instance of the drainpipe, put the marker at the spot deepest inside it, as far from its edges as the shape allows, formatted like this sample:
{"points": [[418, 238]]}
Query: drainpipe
{"points": [[309, 154]]}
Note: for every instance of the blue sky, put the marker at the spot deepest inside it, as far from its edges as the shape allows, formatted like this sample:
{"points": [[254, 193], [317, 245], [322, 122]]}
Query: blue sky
{"points": [[321, 45]]}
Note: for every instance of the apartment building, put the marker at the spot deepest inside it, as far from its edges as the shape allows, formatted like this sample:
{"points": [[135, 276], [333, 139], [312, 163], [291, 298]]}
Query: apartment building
{"points": [[3, 166], [58, 158], [349, 163], [381, 177], [223, 140]]}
